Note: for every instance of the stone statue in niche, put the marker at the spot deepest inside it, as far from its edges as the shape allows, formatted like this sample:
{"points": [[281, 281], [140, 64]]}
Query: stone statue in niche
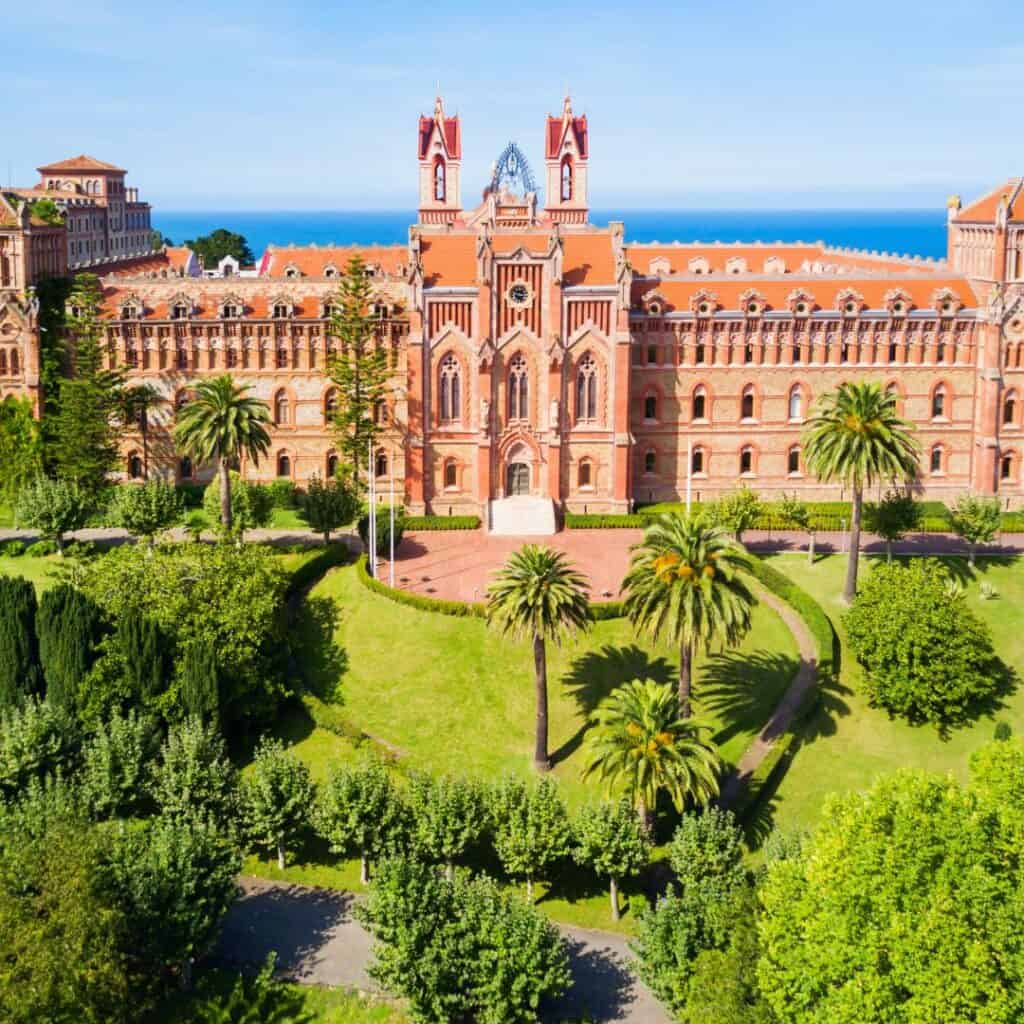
{"points": [[553, 414], [485, 413]]}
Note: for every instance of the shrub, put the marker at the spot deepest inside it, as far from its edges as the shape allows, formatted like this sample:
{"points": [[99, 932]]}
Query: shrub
{"points": [[329, 505], [706, 852], [194, 778], [611, 841], [191, 494], [424, 524], [36, 739], [13, 548], [69, 629], [251, 504], [976, 520], [420, 601], [383, 531], [145, 510], [926, 655], [283, 493], [592, 521], [738, 512], [896, 515], [461, 949], [54, 508], [20, 671]]}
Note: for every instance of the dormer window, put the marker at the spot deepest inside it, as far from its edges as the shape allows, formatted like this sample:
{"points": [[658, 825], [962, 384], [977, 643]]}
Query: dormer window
{"points": [[231, 311], [292, 271], [330, 271], [281, 311], [800, 308], [129, 312], [179, 311], [898, 308]]}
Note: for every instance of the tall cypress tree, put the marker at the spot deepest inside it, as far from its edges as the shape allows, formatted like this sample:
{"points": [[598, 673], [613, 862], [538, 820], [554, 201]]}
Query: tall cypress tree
{"points": [[20, 672], [145, 653], [199, 687], [68, 625], [86, 426]]}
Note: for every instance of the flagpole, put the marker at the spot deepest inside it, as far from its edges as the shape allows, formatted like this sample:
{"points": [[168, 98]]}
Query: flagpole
{"points": [[391, 526], [371, 530], [689, 472]]}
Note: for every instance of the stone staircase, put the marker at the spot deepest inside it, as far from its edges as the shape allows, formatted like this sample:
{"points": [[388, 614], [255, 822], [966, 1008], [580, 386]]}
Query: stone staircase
{"points": [[522, 516]]}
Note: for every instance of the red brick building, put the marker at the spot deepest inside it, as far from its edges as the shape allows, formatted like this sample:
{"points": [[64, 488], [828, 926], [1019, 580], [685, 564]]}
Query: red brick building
{"points": [[536, 354]]}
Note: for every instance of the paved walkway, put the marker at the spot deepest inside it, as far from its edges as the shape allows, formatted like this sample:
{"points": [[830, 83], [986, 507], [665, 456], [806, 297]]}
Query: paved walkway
{"points": [[319, 942], [806, 676]]}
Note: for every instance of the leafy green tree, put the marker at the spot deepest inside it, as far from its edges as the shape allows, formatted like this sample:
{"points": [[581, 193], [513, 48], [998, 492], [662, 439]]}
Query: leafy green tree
{"points": [[902, 908], [671, 936], [447, 817], [54, 508], [145, 650], [228, 597], [20, 671], [797, 514], [21, 447], [926, 655], [173, 880], [47, 210], [212, 248], [706, 853], [359, 369], [896, 515], [855, 438], [69, 628], [538, 595], [358, 810], [194, 779], [198, 684], [223, 422], [639, 745], [115, 762], [383, 530], [252, 505], [460, 949], [976, 520], [86, 426], [260, 999], [63, 957], [329, 504], [145, 510], [276, 796], [611, 842], [37, 738], [531, 829], [684, 586], [738, 512]]}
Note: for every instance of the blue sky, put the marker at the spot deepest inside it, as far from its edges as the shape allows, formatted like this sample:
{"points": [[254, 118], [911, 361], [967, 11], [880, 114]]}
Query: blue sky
{"points": [[313, 106]]}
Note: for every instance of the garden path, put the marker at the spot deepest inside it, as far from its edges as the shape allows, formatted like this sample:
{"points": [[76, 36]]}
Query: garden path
{"points": [[806, 676], [319, 942]]}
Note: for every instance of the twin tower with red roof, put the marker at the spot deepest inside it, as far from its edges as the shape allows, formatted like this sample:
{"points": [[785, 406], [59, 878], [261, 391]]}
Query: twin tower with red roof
{"points": [[566, 148]]}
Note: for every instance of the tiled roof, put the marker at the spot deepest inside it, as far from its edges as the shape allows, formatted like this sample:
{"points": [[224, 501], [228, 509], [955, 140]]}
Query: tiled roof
{"points": [[556, 131], [449, 261], [172, 259], [452, 136], [824, 290], [81, 163], [589, 258], [207, 302], [312, 260], [984, 209]]}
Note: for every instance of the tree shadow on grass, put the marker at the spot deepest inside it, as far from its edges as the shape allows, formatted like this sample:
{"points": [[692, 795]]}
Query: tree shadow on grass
{"points": [[742, 690], [595, 674], [318, 662]]}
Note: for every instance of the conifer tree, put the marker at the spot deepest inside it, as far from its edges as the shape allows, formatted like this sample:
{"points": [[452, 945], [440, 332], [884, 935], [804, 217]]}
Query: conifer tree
{"points": [[359, 367], [68, 625], [144, 648], [86, 426], [20, 673], [198, 685]]}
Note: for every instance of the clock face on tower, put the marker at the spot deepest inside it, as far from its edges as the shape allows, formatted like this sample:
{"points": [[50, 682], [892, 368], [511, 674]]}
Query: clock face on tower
{"points": [[519, 294]]}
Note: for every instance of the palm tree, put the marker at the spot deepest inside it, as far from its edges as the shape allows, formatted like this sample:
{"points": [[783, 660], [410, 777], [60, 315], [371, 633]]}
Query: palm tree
{"points": [[221, 421], [136, 404], [684, 584], [856, 437], [642, 743], [538, 594]]}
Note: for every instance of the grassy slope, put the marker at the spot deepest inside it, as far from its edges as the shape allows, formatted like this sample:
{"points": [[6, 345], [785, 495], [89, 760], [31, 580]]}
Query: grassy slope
{"points": [[849, 743], [456, 697], [38, 570]]}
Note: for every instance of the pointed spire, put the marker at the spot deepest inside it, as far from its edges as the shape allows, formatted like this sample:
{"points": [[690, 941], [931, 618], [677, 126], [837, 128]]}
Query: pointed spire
{"points": [[438, 105], [567, 107]]}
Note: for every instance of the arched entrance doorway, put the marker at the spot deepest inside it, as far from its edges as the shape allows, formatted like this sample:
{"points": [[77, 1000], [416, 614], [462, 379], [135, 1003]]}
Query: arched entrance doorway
{"points": [[517, 479]]}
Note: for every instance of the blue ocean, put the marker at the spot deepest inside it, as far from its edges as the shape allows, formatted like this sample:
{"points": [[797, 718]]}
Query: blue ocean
{"points": [[913, 232]]}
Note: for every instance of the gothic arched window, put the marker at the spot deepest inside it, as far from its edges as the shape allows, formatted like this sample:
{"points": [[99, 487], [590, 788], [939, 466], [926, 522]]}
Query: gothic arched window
{"points": [[586, 389], [697, 461], [746, 460], [793, 460], [380, 464], [185, 468], [284, 465], [747, 403], [330, 405], [450, 389], [939, 402], [282, 409], [518, 389], [332, 464], [796, 403], [935, 463], [439, 180], [1010, 408], [134, 466], [566, 179], [650, 462], [700, 403], [583, 474], [451, 473], [650, 407]]}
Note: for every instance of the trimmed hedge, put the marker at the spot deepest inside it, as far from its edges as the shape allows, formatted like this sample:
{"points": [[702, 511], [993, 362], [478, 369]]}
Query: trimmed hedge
{"points": [[310, 571], [577, 521], [599, 611], [784, 748], [423, 524]]}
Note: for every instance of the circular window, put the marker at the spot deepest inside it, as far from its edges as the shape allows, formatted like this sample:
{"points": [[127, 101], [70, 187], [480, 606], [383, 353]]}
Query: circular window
{"points": [[851, 307], [752, 307], [702, 308], [947, 307], [519, 294], [897, 307], [801, 307]]}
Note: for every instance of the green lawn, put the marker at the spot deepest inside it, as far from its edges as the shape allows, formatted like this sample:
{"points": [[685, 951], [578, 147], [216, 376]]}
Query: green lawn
{"points": [[848, 744], [38, 570], [449, 695], [309, 1004]]}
